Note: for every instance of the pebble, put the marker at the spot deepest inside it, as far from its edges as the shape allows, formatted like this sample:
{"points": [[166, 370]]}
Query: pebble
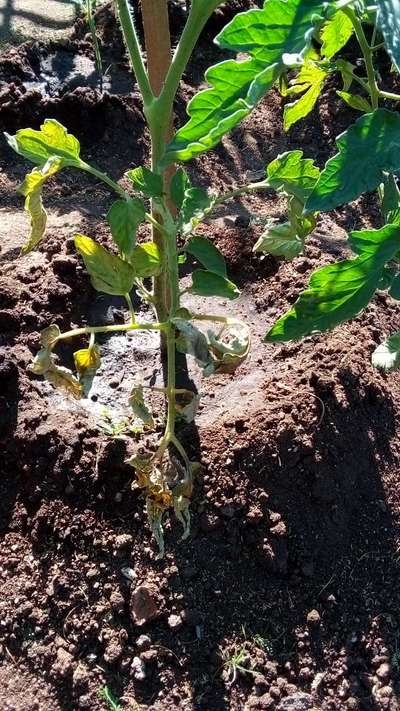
{"points": [[138, 669], [143, 642], [174, 622], [143, 604], [296, 702], [383, 671], [313, 618]]}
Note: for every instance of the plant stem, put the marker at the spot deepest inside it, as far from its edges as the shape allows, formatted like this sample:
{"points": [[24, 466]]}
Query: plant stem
{"points": [[389, 95], [86, 330], [135, 53], [105, 179], [367, 54], [131, 309], [251, 187]]}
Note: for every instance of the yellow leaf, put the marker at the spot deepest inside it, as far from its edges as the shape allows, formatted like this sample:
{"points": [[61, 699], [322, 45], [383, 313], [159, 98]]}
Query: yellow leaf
{"points": [[87, 359], [31, 188], [108, 273]]}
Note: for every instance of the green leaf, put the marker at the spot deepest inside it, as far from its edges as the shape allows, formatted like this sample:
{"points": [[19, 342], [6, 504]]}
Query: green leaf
{"points": [[31, 188], [335, 34], [294, 174], [367, 149], [280, 241], [146, 260], [194, 207], [207, 253], [108, 273], [394, 289], [274, 38], [391, 198], [52, 140], [146, 182], [359, 103], [387, 355], [179, 184], [339, 291], [210, 284], [388, 19], [309, 82], [124, 217]]}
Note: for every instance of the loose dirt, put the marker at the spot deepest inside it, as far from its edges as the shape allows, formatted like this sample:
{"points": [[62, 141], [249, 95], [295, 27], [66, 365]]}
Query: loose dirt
{"points": [[286, 595]]}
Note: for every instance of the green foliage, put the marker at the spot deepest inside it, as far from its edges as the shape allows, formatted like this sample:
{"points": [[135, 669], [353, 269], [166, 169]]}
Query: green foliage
{"points": [[274, 38], [124, 217], [146, 182], [388, 19], [367, 149], [339, 291], [206, 253], [51, 141], [293, 174], [309, 83], [335, 34], [210, 284]]}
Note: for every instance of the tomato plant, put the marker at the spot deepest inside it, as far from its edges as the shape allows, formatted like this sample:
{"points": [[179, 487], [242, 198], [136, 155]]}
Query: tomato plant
{"points": [[268, 42]]}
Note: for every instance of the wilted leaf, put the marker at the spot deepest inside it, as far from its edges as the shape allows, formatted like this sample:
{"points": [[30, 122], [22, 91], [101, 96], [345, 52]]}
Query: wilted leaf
{"points": [[187, 405], [207, 253], [87, 359], [339, 291], [309, 82], [64, 379], [108, 272], [49, 336], [230, 348], [139, 407], [52, 140], [387, 355], [31, 188], [124, 217], [192, 341], [210, 284], [367, 149], [146, 182], [42, 362]]}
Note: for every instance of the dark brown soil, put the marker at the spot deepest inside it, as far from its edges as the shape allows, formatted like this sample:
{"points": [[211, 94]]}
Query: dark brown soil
{"points": [[292, 567]]}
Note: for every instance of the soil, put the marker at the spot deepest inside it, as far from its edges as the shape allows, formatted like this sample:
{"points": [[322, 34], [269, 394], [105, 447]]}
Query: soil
{"points": [[286, 594]]}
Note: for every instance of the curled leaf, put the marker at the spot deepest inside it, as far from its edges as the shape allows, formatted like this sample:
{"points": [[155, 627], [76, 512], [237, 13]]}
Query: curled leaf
{"points": [[63, 379], [229, 348], [31, 188], [87, 359], [49, 336], [108, 273], [139, 407], [187, 405], [42, 362], [192, 341], [51, 140]]}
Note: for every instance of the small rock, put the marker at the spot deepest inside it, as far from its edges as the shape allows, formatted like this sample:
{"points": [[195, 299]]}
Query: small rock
{"points": [[313, 618], [297, 702], [112, 652], [122, 543], [274, 518], [279, 530], [80, 678], [150, 655], [117, 602], [143, 642], [64, 664], [138, 669], [383, 671], [174, 622], [143, 604]]}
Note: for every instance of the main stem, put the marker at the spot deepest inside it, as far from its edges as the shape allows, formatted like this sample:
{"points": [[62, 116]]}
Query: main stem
{"points": [[368, 56]]}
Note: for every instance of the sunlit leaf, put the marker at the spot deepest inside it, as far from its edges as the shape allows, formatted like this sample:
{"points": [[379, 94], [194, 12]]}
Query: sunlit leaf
{"points": [[52, 140], [335, 34], [229, 348], [294, 174], [280, 241], [360, 103], [309, 82], [31, 188], [146, 182], [42, 362], [146, 260], [87, 359], [124, 217], [274, 38], [367, 149], [387, 355], [207, 253], [209, 284], [108, 273], [63, 379], [339, 291]]}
